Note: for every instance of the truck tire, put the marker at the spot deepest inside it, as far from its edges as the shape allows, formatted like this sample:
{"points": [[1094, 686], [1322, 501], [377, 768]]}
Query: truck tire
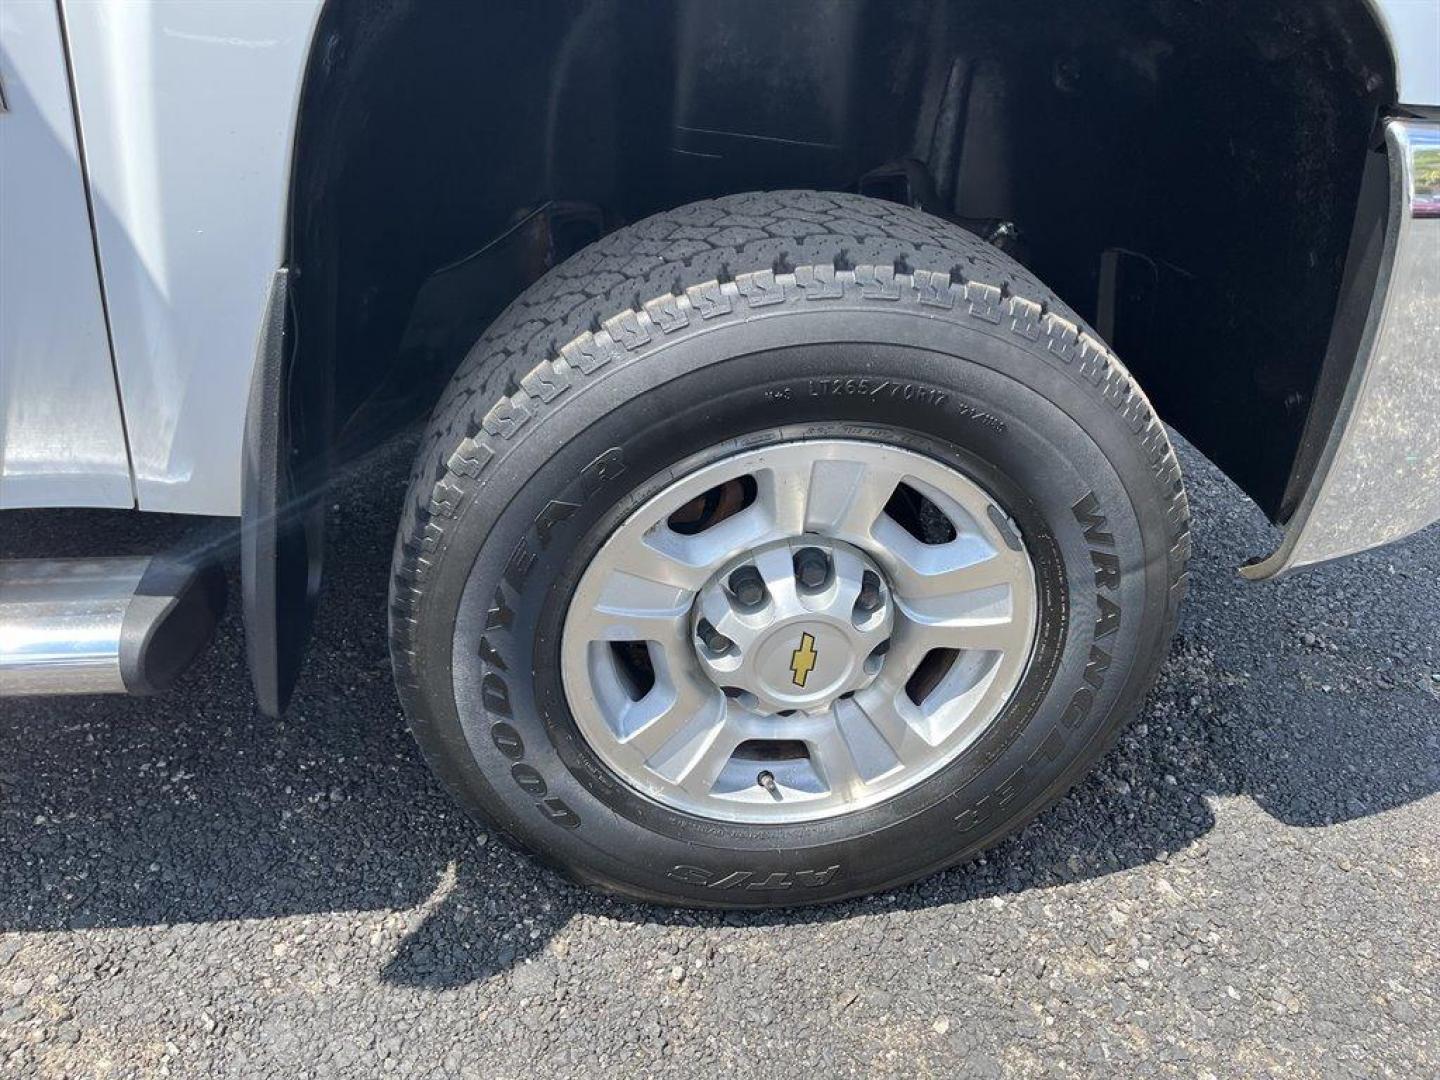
{"points": [[781, 548]]}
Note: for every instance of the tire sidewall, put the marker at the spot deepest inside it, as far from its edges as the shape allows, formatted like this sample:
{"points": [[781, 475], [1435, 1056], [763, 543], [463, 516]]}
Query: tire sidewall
{"points": [[484, 698]]}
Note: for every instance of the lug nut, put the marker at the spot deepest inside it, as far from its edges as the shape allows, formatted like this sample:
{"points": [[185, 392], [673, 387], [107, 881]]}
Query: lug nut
{"points": [[812, 568], [715, 641], [869, 598], [748, 586]]}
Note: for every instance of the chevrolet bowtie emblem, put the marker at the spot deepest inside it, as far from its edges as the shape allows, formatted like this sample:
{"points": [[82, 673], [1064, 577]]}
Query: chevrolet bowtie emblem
{"points": [[802, 660]]}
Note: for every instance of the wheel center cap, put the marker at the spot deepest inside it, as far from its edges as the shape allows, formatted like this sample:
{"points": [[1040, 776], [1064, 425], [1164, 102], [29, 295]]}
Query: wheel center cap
{"points": [[795, 625], [804, 659]]}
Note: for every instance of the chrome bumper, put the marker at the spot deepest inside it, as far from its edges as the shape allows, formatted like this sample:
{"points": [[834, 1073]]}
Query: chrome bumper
{"points": [[1378, 477]]}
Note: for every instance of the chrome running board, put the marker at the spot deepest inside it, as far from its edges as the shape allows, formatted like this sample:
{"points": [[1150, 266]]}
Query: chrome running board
{"points": [[103, 626]]}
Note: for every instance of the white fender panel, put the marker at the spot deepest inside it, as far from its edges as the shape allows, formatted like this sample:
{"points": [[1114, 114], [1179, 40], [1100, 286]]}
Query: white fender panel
{"points": [[188, 109]]}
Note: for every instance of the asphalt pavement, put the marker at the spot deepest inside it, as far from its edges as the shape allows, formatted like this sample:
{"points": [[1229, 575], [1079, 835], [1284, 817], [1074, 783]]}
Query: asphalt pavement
{"points": [[1249, 885]]}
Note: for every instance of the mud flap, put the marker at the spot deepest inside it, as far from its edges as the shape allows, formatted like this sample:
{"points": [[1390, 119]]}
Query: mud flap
{"points": [[283, 513]]}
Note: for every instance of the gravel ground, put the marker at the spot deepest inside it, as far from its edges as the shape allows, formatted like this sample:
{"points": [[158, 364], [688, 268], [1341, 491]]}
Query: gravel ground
{"points": [[1247, 886]]}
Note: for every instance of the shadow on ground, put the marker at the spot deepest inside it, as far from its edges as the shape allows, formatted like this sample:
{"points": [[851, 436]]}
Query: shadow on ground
{"points": [[1314, 698]]}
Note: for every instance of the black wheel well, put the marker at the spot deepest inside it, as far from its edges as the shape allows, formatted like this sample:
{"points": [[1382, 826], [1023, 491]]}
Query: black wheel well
{"points": [[1185, 175]]}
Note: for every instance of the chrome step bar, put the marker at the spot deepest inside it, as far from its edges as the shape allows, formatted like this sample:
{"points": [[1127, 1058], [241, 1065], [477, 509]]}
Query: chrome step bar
{"points": [[103, 626]]}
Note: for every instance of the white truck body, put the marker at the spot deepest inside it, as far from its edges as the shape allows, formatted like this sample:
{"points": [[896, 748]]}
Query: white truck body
{"points": [[187, 111]]}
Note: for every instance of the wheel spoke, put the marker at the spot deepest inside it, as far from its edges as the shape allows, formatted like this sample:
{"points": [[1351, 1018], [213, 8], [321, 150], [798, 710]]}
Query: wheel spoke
{"points": [[921, 574], [658, 558], [848, 497], [912, 639], [999, 635], [703, 751], [777, 567], [785, 493], [880, 706], [629, 608], [834, 760], [666, 626], [687, 707]]}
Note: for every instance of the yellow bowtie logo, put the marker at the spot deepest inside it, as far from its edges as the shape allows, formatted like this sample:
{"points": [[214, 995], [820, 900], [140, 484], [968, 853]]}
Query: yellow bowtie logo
{"points": [[802, 660]]}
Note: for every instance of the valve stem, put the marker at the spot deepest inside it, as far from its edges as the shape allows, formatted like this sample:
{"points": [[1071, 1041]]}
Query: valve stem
{"points": [[766, 779]]}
